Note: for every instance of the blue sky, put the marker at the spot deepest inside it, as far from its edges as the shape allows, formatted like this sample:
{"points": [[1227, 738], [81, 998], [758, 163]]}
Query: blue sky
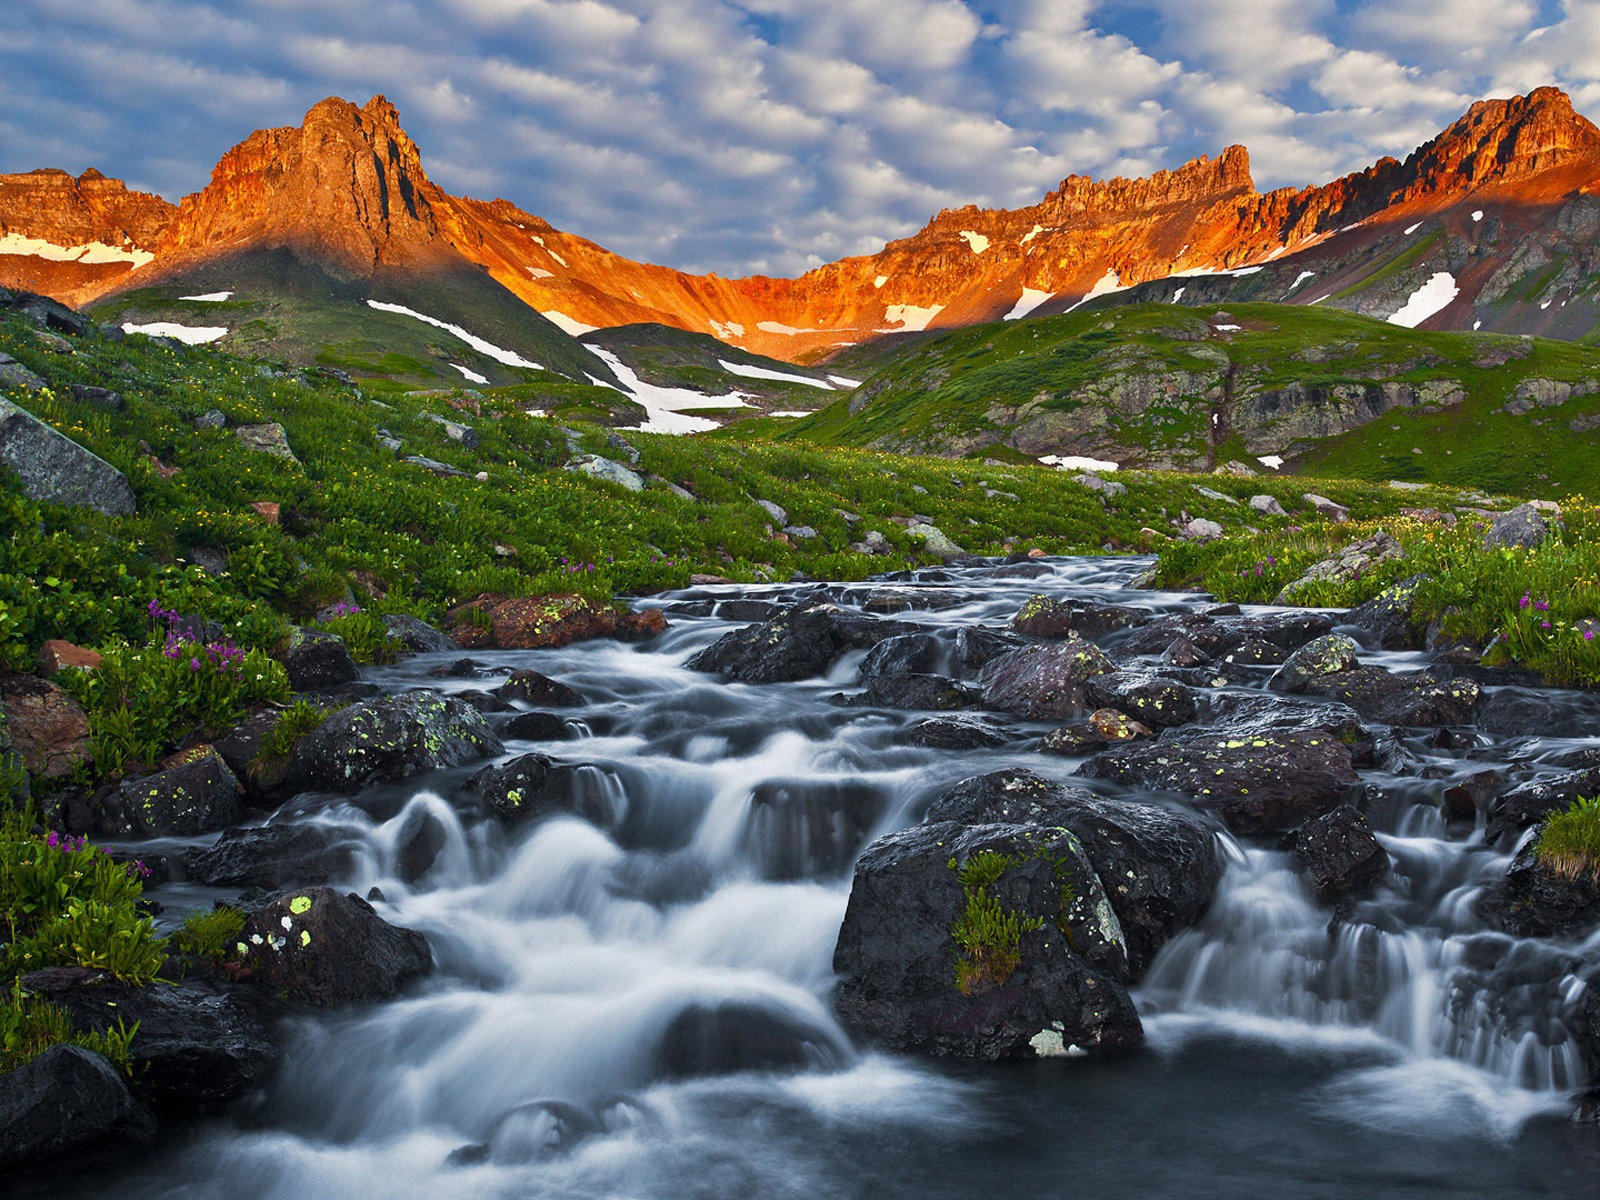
{"points": [[772, 135]]}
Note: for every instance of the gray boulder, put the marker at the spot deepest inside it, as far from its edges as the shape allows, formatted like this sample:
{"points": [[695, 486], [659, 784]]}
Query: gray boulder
{"points": [[606, 470], [198, 796], [1524, 526], [417, 635], [935, 540], [56, 470], [269, 438], [456, 431]]}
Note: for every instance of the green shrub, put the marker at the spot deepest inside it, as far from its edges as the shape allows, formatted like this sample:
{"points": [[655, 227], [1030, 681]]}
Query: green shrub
{"points": [[211, 934], [293, 723], [1569, 843], [364, 634], [988, 938]]}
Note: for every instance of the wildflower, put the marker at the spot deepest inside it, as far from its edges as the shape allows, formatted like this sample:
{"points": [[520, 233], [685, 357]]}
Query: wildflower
{"points": [[1525, 601], [194, 665], [1588, 635]]}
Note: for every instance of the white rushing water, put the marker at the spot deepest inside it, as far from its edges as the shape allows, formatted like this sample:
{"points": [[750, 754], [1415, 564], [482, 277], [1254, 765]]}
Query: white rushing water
{"points": [[644, 1012]]}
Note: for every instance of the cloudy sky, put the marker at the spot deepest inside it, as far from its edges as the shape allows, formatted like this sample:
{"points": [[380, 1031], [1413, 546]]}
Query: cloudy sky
{"points": [[771, 135]]}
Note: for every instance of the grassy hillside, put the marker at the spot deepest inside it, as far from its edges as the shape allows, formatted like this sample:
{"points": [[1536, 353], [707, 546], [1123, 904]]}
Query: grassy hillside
{"points": [[1160, 385]]}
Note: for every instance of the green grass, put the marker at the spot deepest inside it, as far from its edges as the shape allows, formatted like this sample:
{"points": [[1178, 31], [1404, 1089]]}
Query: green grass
{"points": [[1569, 842], [988, 938]]}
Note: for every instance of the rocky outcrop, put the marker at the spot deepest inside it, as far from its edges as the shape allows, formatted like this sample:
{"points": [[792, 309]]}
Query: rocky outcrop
{"points": [[199, 795], [797, 643], [389, 739], [45, 727], [326, 948], [65, 1101], [55, 469]]}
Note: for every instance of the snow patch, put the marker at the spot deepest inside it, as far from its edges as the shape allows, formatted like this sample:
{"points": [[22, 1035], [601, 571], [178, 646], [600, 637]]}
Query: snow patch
{"points": [[1410, 229], [1104, 286], [976, 240], [1477, 214], [566, 324], [1271, 460], [1030, 300], [1031, 234], [664, 407], [209, 297], [509, 358], [880, 281], [1477, 324], [764, 373], [1299, 279], [727, 332], [540, 273], [788, 412], [472, 376], [1320, 299], [1428, 299], [1240, 272], [88, 252], [1227, 328], [555, 256], [845, 381], [910, 317], [1178, 295], [189, 335], [790, 330], [1077, 462]]}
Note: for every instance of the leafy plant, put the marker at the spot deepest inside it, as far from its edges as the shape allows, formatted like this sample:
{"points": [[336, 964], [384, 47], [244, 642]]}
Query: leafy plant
{"points": [[988, 938], [1569, 843]]}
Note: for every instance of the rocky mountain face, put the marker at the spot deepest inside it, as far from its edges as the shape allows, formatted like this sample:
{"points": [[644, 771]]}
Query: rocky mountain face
{"points": [[1502, 205], [73, 237]]}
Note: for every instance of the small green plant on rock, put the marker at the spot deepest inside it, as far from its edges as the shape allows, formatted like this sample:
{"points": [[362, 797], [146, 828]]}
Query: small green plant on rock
{"points": [[988, 938], [1569, 843], [210, 934], [29, 1026]]}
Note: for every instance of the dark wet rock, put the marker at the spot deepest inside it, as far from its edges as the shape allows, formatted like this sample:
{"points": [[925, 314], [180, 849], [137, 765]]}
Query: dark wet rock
{"points": [[389, 739], [1072, 741], [54, 469], [897, 961], [923, 693], [1221, 632], [1524, 526], [461, 668], [719, 1037], [1389, 621], [1420, 698], [484, 702], [1338, 853], [1110, 725], [1538, 712], [64, 1101], [1527, 804], [273, 856], [1045, 682], [1046, 617], [537, 727], [1159, 868], [533, 786], [908, 654], [417, 845], [1330, 654], [198, 1046], [1143, 695], [1255, 784], [418, 636], [976, 647], [803, 828], [539, 690], [799, 642], [953, 733], [1537, 900], [1181, 652], [327, 948], [1261, 714], [1472, 794], [317, 661], [197, 796]]}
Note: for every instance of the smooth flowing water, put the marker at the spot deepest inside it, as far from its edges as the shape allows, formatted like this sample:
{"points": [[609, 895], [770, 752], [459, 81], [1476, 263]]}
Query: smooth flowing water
{"points": [[607, 1010]]}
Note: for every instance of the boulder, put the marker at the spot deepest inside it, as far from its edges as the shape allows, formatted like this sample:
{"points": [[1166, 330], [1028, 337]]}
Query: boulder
{"points": [[268, 438], [934, 540], [1046, 617], [1419, 698], [539, 690], [52, 314], [1051, 987], [64, 1101], [1267, 506], [925, 693], [1159, 868], [14, 375], [537, 727], [54, 469], [953, 733], [1355, 561], [327, 948], [1338, 853], [1527, 804], [417, 845], [1256, 783], [1107, 488], [199, 795], [797, 643], [1330, 654], [272, 856], [46, 727], [1150, 698], [1072, 741], [1045, 682], [1326, 508], [1534, 899], [1388, 621], [1525, 527], [318, 661], [58, 654], [198, 1047], [533, 786], [546, 622], [1218, 634], [605, 470], [456, 431], [1199, 529], [390, 738], [907, 654], [417, 635], [779, 514]]}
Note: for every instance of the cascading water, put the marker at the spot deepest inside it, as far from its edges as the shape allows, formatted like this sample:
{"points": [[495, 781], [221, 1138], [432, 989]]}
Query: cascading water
{"points": [[644, 1012]]}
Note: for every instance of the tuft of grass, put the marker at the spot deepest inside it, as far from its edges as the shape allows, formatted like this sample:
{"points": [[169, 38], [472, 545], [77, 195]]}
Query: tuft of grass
{"points": [[211, 934], [1569, 843], [988, 938], [30, 1025]]}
